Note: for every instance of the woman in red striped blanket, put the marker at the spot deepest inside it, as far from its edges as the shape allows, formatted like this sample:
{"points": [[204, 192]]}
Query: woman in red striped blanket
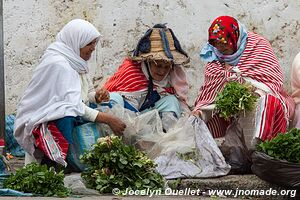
{"points": [[153, 78], [235, 54]]}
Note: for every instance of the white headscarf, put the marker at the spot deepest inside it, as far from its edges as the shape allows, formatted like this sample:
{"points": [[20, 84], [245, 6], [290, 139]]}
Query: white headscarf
{"points": [[55, 89], [75, 35]]}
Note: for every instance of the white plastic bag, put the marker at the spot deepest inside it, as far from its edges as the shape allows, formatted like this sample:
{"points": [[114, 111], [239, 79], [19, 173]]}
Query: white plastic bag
{"points": [[193, 154], [187, 150], [146, 125], [77, 185]]}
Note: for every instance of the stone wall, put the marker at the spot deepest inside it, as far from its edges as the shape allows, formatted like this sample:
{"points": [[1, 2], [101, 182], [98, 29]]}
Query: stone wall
{"points": [[30, 26]]}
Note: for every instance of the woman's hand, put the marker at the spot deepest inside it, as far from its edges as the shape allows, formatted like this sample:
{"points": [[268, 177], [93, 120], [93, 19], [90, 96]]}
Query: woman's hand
{"points": [[113, 122], [102, 95], [197, 113]]}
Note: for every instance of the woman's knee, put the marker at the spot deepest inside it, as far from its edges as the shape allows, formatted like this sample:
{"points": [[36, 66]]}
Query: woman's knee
{"points": [[169, 104], [172, 100], [116, 98]]}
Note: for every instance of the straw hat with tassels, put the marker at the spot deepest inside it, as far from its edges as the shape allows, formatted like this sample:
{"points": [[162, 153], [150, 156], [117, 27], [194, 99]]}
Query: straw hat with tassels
{"points": [[160, 43]]}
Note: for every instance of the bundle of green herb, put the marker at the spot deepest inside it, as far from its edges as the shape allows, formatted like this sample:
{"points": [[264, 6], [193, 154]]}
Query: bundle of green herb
{"points": [[112, 164], [283, 146], [235, 98], [37, 179]]}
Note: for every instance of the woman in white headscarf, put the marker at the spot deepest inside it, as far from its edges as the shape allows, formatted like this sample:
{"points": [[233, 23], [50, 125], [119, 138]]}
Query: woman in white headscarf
{"points": [[57, 95]]}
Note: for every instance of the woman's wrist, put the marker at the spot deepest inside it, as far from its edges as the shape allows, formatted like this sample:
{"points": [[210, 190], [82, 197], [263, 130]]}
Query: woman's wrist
{"points": [[102, 117]]}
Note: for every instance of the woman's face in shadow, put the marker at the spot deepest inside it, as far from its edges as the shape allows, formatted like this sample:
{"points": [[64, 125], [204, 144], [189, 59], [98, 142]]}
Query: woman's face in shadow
{"points": [[223, 48], [86, 52], [159, 69]]}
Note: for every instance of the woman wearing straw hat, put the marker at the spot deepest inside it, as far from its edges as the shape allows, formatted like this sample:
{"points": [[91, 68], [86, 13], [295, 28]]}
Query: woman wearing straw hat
{"points": [[153, 78]]}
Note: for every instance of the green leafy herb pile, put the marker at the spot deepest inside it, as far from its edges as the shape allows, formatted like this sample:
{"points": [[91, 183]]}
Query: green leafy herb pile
{"points": [[235, 98], [38, 179], [283, 146], [112, 164]]}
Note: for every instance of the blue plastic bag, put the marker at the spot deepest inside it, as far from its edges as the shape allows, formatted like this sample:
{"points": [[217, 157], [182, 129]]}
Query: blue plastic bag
{"points": [[11, 144], [84, 137]]}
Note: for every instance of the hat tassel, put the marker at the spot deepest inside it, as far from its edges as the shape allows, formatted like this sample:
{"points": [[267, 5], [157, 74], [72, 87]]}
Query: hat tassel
{"points": [[166, 44]]}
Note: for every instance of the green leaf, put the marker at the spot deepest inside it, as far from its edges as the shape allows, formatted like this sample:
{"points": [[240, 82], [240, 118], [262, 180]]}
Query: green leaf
{"points": [[234, 98], [124, 161], [139, 164], [270, 152], [284, 146], [128, 167], [37, 179]]}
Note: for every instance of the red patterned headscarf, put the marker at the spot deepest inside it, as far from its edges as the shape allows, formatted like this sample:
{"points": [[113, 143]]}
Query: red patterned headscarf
{"points": [[226, 30]]}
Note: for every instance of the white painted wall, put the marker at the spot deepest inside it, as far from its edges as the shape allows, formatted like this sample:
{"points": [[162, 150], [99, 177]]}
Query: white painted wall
{"points": [[31, 25]]}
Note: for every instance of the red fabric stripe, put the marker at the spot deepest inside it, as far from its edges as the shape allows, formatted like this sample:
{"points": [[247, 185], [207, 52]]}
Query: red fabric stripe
{"points": [[130, 78], [128, 72], [58, 138], [274, 121], [217, 126]]}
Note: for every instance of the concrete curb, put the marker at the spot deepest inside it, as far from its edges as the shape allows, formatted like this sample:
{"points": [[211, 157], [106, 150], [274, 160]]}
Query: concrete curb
{"points": [[238, 184], [234, 183]]}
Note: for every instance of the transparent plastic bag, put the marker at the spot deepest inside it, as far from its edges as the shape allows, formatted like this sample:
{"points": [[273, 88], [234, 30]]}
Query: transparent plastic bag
{"points": [[146, 125], [189, 151], [186, 150]]}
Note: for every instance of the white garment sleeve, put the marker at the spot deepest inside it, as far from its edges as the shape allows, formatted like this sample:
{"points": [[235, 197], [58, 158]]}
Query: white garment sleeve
{"points": [[91, 96], [87, 89], [91, 91], [90, 114]]}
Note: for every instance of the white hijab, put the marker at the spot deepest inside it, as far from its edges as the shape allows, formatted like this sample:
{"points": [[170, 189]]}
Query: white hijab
{"points": [[55, 89]]}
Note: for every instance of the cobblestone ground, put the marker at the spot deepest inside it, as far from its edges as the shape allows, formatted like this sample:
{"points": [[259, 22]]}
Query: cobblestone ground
{"points": [[15, 163]]}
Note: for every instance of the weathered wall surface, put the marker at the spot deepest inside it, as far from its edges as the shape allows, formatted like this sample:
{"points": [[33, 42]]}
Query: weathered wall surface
{"points": [[30, 26]]}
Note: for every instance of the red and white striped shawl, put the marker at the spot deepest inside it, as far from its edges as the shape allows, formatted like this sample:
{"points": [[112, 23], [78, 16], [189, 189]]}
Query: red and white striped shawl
{"points": [[258, 62], [130, 78]]}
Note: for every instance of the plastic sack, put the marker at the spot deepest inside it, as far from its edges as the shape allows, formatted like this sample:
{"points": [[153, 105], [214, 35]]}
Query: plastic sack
{"points": [[189, 151], [247, 122], [146, 131], [84, 136], [11, 144], [235, 150], [76, 184], [280, 172], [142, 130], [10, 192], [170, 142], [137, 124]]}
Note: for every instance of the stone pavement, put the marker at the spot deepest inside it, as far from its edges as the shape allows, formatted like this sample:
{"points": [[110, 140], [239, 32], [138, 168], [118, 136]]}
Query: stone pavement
{"points": [[239, 186]]}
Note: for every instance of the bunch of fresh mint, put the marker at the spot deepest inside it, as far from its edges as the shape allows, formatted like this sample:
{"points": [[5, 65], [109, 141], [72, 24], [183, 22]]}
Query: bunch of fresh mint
{"points": [[234, 99], [38, 179], [283, 146], [112, 164]]}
